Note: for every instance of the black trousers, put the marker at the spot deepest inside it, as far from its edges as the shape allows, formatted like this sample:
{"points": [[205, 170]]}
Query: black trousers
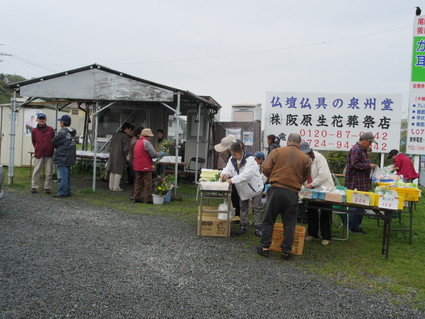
{"points": [[325, 221], [285, 202], [236, 201]]}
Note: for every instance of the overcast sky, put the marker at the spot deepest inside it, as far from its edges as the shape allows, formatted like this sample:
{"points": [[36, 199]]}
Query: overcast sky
{"points": [[234, 51]]}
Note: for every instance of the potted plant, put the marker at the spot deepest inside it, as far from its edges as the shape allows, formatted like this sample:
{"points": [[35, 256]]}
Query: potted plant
{"points": [[161, 186]]}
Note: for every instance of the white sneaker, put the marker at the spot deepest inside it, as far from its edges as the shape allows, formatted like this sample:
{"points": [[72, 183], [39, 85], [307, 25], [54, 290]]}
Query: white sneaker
{"points": [[117, 189], [310, 238], [325, 242]]}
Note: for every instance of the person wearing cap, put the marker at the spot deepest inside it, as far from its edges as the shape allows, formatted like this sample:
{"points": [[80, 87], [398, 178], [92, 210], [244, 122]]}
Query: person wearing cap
{"points": [[321, 179], [118, 152], [357, 176], [287, 169], [222, 149], [223, 155], [41, 137], [403, 165], [144, 152], [259, 158], [242, 171], [65, 155]]}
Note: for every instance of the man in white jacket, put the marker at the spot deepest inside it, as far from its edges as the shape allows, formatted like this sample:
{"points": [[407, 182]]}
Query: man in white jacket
{"points": [[321, 179], [242, 170]]}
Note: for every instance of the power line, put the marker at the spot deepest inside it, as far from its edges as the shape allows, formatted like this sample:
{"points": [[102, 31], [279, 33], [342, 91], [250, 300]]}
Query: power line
{"points": [[305, 45], [267, 50]]}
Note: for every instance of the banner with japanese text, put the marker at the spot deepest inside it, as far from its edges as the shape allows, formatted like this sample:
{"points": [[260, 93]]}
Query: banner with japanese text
{"points": [[416, 119], [331, 121]]}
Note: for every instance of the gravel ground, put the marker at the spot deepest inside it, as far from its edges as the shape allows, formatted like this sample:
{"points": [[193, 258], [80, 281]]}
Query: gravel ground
{"points": [[64, 259]]}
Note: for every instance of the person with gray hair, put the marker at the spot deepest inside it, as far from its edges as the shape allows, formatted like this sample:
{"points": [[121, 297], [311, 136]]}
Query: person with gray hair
{"points": [[287, 168]]}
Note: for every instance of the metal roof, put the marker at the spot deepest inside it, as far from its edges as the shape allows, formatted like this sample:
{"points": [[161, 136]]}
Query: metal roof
{"points": [[99, 83]]}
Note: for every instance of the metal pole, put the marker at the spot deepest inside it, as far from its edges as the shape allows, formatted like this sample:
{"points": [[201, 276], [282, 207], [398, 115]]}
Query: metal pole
{"points": [[198, 117], [12, 138], [96, 122], [176, 168]]}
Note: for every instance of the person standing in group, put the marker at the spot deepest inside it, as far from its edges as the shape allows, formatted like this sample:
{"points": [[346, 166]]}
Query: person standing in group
{"points": [[259, 158], [65, 155], [137, 131], [144, 152], [273, 142], [287, 169], [321, 178], [118, 152], [403, 165], [41, 137], [160, 168], [242, 171], [357, 176], [223, 155]]}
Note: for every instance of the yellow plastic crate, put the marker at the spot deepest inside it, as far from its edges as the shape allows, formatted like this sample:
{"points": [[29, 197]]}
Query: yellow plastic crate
{"points": [[385, 183], [374, 198], [410, 194], [400, 202], [277, 238]]}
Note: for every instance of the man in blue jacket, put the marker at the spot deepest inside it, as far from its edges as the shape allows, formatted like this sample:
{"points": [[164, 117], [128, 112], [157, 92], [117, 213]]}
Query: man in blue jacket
{"points": [[65, 155]]}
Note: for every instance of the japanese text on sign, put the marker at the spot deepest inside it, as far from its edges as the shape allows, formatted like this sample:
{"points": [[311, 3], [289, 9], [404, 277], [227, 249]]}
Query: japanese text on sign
{"points": [[388, 202], [361, 199], [416, 120], [335, 121]]}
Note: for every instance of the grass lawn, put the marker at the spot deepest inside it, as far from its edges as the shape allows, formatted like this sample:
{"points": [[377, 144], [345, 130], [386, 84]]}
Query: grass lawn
{"points": [[356, 262]]}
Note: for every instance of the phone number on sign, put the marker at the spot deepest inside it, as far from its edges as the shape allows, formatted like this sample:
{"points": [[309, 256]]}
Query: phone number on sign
{"points": [[323, 138]]}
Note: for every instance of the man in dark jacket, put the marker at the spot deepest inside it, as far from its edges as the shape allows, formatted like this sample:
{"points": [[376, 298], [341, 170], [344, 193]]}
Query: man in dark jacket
{"points": [[287, 168], [41, 137], [118, 156], [65, 155], [357, 176]]}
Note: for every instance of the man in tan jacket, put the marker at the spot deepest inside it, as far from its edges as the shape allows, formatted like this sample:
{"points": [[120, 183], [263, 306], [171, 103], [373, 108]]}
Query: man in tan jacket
{"points": [[287, 169]]}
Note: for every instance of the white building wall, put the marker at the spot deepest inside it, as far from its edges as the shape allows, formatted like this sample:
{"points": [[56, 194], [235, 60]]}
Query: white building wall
{"points": [[23, 143]]}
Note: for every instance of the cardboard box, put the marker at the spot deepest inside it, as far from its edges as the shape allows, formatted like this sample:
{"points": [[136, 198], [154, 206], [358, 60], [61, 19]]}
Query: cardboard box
{"points": [[212, 226], [277, 238], [334, 197]]}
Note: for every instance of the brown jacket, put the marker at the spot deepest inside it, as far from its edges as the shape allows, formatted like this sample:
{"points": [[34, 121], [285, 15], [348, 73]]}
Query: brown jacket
{"points": [[287, 167]]}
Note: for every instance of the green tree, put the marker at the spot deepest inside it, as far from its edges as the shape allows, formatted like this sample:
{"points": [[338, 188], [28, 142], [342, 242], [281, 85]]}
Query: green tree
{"points": [[5, 92]]}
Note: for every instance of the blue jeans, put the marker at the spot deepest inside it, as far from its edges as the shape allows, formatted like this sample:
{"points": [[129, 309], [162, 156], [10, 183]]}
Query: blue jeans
{"points": [[356, 220], [64, 187]]}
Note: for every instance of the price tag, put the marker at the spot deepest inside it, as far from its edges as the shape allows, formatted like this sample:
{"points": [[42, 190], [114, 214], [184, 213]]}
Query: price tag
{"points": [[388, 202], [333, 197], [360, 198], [304, 193]]}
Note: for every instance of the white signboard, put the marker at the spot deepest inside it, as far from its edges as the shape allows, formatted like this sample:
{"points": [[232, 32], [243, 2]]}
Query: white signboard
{"points": [[30, 120], [329, 121], [360, 198], [388, 202], [416, 119]]}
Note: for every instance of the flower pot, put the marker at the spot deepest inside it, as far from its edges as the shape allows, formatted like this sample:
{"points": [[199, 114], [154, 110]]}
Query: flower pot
{"points": [[158, 199], [167, 198]]}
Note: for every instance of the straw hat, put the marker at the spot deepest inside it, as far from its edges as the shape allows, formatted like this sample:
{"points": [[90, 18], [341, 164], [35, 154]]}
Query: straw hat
{"points": [[225, 143], [146, 132]]}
